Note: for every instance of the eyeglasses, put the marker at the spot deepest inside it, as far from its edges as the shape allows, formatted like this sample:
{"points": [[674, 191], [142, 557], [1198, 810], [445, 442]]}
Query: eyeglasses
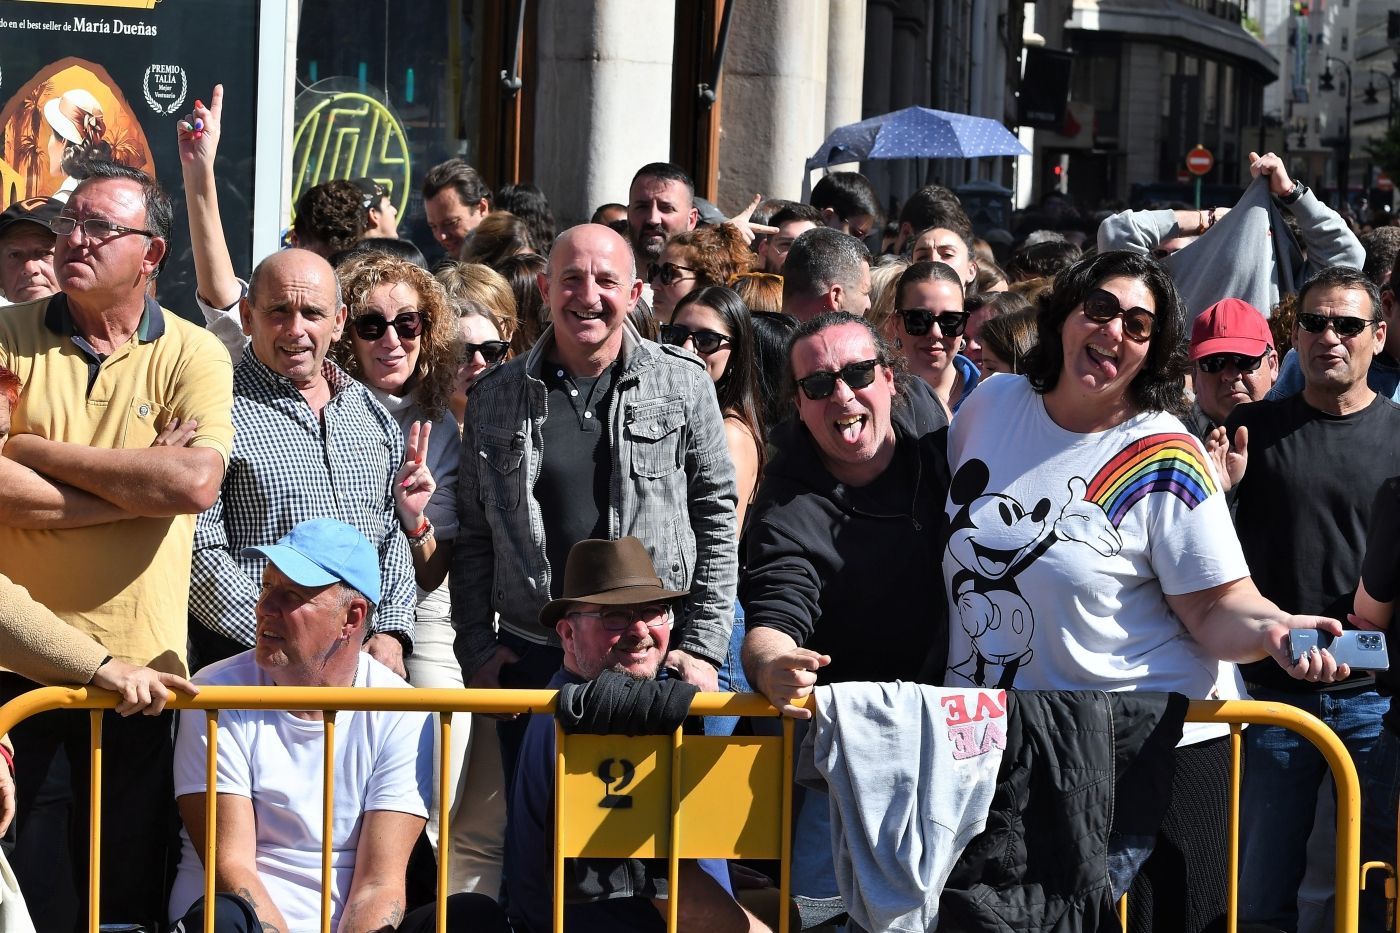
{"points": [[668, 273], [372, 326], [919, 321], [822, 383], [94, 228], [1344, 326], [492, 351], [705, 342], [1217, 362], [1101, 307], [653, 615]]}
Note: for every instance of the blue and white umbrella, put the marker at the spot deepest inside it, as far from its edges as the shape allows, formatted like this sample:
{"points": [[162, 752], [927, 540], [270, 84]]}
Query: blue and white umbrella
{"points": [[917, 133]]}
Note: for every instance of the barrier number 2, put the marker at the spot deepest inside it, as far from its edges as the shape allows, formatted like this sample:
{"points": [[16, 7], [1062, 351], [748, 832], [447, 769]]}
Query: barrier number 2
{"points": [[614, 799]]}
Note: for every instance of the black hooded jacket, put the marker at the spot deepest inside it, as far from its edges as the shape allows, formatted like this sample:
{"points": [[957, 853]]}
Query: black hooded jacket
{"points": [[853, 572]]}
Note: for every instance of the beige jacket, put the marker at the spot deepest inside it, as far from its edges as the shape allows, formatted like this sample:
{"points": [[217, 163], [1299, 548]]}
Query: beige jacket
{"points": [[37, 644]]}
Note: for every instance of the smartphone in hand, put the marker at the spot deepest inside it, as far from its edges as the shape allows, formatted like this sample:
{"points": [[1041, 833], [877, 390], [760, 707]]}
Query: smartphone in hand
{"points": [[1361, 651]]}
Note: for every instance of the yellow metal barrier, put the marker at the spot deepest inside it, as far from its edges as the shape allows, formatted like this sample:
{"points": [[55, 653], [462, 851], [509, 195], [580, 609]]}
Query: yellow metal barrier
{"points": [[685, 796]]}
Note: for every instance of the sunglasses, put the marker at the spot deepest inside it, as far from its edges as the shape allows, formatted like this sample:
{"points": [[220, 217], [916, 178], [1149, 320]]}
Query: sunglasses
{"points": [[821, 384], [620, 620], [1101, 307], [919, 321], [1344, 326], [1217, 362], [668, 273], [705, 342], [492, 351], [372, 326]]}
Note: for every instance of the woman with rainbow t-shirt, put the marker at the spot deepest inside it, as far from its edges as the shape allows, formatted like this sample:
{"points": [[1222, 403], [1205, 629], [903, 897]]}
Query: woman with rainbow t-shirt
{"points": [[1090, 548]]}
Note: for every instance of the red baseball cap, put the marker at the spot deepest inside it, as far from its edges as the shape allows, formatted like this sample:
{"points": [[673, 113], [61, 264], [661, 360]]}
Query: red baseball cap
{"points": [[1230, 326]]}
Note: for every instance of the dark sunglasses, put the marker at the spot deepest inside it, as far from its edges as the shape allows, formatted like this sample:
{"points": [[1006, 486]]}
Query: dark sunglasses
{"points": [[1344, 326], [919, 321], [372, 326], [1217, 362], [1101, 307], [492, 351], [822, 383], [705, 342], [668, 273]]}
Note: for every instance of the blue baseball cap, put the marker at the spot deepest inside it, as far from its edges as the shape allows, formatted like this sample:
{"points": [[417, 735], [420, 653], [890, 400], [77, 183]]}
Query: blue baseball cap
{"points": [[324, 551]]}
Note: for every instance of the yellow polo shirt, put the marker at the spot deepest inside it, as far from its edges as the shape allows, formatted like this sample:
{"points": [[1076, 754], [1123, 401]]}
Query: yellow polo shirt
{"points": [[125, 583]]}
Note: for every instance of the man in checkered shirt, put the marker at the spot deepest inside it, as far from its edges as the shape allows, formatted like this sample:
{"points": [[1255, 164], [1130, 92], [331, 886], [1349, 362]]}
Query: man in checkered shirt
{"points": [[309, 442]]}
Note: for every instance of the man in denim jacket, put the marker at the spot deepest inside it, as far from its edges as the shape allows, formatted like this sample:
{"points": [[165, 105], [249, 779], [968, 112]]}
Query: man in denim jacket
{"points": [[596, 433]]}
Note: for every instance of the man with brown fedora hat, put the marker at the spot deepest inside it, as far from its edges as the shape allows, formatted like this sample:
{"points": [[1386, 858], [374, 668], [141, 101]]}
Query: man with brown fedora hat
{"points": [[614, 615]]}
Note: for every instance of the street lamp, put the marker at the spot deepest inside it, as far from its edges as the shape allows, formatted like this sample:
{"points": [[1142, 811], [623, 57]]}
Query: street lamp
{"points": [[1326, 82], [1371, 98]]}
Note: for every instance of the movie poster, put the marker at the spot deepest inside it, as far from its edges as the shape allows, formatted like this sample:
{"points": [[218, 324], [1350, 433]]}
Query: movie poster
{"points": [[109, 79]]}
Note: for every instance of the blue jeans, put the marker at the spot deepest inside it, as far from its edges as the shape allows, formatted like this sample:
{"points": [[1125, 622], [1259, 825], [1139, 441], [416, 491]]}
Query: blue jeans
{"points": [[731, 676], [1283, 773]]}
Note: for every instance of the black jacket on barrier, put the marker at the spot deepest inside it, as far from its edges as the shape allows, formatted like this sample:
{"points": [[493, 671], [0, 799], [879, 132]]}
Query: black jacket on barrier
{"points": [[1084, 781]]}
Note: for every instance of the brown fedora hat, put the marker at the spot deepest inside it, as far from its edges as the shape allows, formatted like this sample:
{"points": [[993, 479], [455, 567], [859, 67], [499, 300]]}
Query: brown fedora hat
{"points": [[608, 573]]}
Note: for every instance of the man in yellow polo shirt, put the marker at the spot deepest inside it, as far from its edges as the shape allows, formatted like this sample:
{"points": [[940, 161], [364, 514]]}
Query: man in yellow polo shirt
{"points": [[122, 433]]}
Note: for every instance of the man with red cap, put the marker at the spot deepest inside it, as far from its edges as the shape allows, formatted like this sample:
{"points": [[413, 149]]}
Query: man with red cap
{"points": [[1233, 361]]}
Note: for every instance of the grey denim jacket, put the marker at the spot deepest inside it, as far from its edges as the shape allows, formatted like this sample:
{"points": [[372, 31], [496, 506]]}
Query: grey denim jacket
{"points": [[672, 487]]}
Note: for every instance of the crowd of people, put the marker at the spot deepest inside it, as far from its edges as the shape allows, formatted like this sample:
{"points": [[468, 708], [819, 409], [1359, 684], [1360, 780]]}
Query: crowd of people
{"points": [[669, 451]]}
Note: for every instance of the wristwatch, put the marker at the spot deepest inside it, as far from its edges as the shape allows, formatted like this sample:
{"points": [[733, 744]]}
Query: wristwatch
{"points": [[399, 637], [1299, 189]]}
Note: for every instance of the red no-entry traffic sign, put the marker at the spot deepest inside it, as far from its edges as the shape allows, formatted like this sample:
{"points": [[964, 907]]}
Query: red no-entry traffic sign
{"points": [[1199, 161]]}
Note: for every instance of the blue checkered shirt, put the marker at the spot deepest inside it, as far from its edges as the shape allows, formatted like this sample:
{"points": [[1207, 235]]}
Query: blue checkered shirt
{"points": [[289, 466]]}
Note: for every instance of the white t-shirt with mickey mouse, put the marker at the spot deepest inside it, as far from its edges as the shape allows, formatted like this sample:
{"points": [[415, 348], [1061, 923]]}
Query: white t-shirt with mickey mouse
{"points": [[1062, 546]]}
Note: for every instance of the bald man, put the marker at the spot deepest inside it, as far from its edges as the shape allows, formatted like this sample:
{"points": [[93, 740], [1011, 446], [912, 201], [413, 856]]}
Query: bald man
{"points": [[595, 433], [310, 442]]}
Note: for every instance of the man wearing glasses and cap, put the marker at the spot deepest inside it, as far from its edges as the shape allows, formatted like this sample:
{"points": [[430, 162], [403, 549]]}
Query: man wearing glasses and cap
{"points": [[614, 615], [26, 250], [1234, 360]]}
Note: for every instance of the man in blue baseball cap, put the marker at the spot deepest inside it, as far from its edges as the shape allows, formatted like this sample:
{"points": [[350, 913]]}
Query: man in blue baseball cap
{"points": [[319, 588]]}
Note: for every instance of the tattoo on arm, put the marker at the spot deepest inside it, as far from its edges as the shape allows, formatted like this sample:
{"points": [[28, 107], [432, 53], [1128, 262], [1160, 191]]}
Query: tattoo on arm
{"points": [[391, 920], [263, 925]]}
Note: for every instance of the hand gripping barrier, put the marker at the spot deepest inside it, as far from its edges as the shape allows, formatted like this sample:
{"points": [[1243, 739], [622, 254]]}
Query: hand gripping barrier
{"points": [[669, 796]]}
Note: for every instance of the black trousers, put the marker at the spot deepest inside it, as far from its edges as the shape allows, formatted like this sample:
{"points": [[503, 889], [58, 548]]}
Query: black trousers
{"points": [[139, 819]]}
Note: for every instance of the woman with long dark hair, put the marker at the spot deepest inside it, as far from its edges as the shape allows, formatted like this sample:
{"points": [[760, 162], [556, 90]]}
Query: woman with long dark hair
{"points": [[713, 323]]}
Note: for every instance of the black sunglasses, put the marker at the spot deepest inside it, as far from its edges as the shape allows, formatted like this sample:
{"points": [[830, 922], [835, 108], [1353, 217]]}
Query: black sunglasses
{"points": [[1217, 362], [1101, 307], [372, 326], [668, 273], [822, 383], [705, 342], [919, 321], [492, 351], [1344, 326]]}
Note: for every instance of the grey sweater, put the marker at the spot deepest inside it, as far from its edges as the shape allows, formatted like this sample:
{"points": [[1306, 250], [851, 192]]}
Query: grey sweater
{"points": [[1235, 257]]}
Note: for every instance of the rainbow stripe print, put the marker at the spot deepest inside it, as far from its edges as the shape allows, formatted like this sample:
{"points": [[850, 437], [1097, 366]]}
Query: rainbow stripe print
{"points": [[1169, 463]]}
